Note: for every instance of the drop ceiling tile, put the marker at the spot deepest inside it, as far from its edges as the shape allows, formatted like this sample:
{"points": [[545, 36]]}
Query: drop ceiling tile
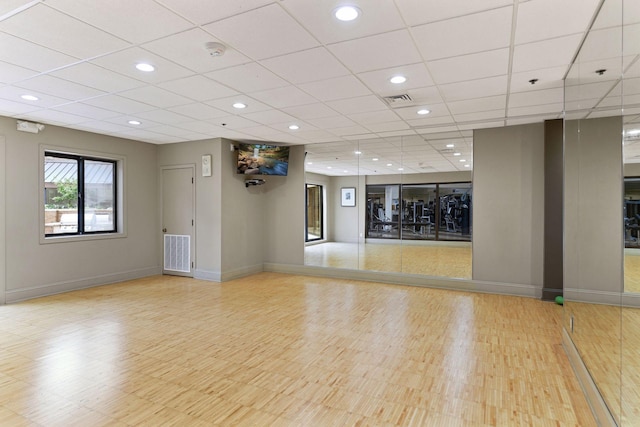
{"points": [[589, 91], [478, 104], [269, 117], [437, 122], [317, 16], [30, 55], [464, 35], [544, 109], [202, 12], [378, 81], [135, 22], [377, 52], [262, 131], [97, 77], [10, 73], [417, 12], [204, 127], [13, 94], [349, 130], [480, 116], [537, 97], [548, 78], [486, 125], [470, 67], [235, 122], [188, 49], [282, 35], [156, 97], [426, 96], [61, 32], [331, 123], [163, 116], [310, 111], [86, 110], [474, 88], [548, 53], [125, 61], [12, 7], [177, 132], [198, 111], [387, 127], [102, 127], [57, 117], [542, 19], [411, 113], [251, 77], [317, 136], [198, 88], [60, 88], [226, 104], [288, 96], [10, 108], [601, 45], [120, 104], [306, 66], [371, 117], [149, 136], [358, 105], [336, 88]]}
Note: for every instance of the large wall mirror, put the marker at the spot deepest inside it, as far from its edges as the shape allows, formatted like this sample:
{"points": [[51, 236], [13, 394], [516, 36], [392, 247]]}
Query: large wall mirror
{"points": [[409, 209], [602, 215]]}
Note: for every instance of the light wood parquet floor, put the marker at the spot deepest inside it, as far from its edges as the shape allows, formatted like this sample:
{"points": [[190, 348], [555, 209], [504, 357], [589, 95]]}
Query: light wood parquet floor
{"points": [[450, 260], [281, 350]]}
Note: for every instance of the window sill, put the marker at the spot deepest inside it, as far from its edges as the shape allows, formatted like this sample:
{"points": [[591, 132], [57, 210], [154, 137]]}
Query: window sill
{"points": [[80, 238]]}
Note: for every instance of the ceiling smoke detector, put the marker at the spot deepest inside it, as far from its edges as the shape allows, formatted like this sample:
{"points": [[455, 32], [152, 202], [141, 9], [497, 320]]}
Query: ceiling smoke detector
{"points": [[215, 48]]}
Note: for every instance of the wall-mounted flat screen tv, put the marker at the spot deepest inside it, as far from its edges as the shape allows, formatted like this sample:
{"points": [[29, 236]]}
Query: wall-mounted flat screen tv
{"points": [[260, 159]]}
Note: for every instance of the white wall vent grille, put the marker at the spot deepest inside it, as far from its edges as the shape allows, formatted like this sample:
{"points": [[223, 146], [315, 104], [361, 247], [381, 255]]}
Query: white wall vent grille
{"points": [[177, 253]]}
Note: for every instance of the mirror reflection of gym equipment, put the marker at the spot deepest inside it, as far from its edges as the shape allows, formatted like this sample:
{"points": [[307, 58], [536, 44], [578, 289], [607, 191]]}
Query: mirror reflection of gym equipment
{"points": [[419, 211]]}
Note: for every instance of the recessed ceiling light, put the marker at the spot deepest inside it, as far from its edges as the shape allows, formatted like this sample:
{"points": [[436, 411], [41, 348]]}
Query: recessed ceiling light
{"points": [[134, 122], [400, 169], [398, 79], [345, 171], [346, 13], [309, 163], [147, 68], [294, 127], [375, 159], [457, 154], [239, 105], [329, 167], [633, 132], [424, 111], [357, 152], [30, 97], [467, 165], [389, 164], [462, 160], [450, 145]]}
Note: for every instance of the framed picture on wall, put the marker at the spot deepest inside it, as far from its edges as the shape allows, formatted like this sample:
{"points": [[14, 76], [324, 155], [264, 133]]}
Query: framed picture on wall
{"points": [[348, 196]]}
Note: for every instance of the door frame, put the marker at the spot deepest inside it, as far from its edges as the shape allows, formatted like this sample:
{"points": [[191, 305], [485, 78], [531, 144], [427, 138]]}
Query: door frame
{"points": [[192, 167]]}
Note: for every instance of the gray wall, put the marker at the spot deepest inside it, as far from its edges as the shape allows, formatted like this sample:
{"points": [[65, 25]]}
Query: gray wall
{"points": [[208, 201], [2, 220], [593, 255], [33, 268], [508, 189], [346, 219]]}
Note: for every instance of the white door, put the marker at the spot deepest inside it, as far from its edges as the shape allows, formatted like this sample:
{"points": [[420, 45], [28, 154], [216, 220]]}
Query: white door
{"points": [[178, 221]]}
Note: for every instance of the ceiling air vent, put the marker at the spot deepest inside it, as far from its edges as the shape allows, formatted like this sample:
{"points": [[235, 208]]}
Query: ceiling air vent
{"points": [[398, 100]]}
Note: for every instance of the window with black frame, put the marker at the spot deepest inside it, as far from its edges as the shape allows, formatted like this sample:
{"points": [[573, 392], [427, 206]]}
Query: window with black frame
{"points": [[79, 195]]}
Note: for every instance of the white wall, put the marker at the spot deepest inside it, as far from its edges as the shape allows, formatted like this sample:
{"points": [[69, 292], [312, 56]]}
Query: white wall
{"points": [[34, 268], [508, 189]]}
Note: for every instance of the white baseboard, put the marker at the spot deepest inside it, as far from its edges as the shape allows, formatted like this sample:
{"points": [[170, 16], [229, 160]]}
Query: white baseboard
{"points": [[592, 296], [410, 279], [211, 276], [73, 285], [594, 398]]}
